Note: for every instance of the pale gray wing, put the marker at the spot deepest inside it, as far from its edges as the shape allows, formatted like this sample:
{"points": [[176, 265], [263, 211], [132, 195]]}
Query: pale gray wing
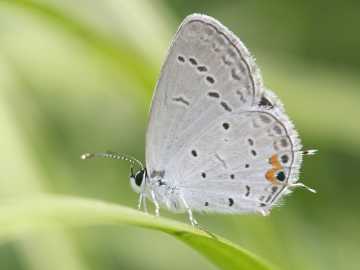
{"points": [[208, 71], [241, 164], [213, 128]]}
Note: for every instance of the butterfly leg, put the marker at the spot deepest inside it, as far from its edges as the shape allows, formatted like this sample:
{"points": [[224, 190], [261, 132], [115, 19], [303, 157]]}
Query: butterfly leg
{"points": [[190, 214], [191, 218], [145, 205], [142, 202], [157, 206]]}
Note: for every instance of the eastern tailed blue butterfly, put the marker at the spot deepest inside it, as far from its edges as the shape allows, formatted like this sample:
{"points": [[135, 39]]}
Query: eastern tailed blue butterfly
{"points": [[217, 140]]}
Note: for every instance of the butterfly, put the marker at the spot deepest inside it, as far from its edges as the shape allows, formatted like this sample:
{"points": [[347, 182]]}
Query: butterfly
{"points": [[217, 140]]}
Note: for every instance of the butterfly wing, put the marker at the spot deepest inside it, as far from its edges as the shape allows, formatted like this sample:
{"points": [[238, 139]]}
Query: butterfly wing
{"points": [[209, 115]]}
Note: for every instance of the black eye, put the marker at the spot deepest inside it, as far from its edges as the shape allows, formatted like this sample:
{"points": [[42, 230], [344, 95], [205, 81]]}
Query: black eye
{"points": [[280, 176], [139, 177]]}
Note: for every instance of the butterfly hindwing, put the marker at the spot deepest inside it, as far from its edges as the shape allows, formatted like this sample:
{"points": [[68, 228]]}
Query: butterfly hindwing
{"points": [[236, 159]]}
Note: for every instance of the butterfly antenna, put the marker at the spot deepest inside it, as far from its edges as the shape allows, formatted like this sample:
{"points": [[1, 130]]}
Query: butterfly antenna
{"points": [[113, 155]]}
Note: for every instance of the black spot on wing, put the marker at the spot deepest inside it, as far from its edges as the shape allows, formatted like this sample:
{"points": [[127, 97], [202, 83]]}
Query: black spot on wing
{"points": [[210, 79], [181, 59], [231, 201], [225, 106], [202, 68], [284, 158], [226, 125], [181, 100], [280, 176], [193, 61], [247, 191], [264, 102], [214, 94]]}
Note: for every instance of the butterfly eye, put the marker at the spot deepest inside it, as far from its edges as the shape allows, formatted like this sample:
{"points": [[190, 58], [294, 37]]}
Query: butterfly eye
{"points": [[139, 176], [280, 176]]}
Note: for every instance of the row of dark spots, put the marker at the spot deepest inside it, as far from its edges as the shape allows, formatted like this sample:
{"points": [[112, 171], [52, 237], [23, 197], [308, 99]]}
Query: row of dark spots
{"points": [[203, 175], [251, 143], [194, 63], [209, 79], [222, 103], [231, 202]]}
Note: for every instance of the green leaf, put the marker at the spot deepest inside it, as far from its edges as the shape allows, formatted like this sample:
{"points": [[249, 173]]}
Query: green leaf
{"points": [[19, 216]]}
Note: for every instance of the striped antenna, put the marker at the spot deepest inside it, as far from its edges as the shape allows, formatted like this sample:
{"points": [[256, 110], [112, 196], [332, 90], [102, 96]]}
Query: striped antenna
{"points": [[113, 155]]}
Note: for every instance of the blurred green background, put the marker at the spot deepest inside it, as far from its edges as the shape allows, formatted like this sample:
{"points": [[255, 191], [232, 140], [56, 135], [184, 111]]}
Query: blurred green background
{"points": [[77, 76]]}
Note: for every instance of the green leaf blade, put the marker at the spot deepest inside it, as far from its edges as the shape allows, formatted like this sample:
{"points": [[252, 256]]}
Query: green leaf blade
{"points": [[33, 214]]}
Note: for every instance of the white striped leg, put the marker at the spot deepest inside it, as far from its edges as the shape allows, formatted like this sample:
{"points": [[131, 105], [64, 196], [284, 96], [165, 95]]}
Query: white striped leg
{"points": [[188, 209], [157, 206], [142, 202]]}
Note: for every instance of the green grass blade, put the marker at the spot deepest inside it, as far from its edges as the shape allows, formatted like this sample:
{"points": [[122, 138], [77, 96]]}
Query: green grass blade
{"points": [[19, 216]]}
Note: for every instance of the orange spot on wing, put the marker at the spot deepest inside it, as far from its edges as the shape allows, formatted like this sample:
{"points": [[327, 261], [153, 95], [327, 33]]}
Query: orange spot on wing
{"points": [[274, 161], [270, 176]]}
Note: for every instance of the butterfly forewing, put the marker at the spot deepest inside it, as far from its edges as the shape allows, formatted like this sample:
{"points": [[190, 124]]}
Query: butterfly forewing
{"points": [[204, 58]]}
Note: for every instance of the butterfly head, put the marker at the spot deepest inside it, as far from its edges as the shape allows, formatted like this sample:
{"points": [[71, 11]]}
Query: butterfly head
{"points": [[137, 179]]}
